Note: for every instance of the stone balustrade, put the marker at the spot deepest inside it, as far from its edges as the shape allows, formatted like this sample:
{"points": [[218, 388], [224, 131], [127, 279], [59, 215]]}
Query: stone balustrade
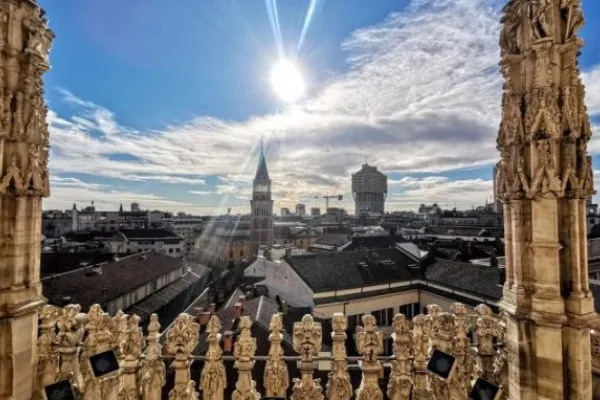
{"points": [[68, 338]]}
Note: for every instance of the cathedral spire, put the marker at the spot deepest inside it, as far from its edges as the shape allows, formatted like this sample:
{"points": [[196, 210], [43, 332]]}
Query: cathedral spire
{"points": [[262, 173]]}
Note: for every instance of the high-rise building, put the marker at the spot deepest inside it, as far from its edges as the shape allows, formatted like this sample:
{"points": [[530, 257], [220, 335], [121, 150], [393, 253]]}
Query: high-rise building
{"points": [[369, 188], [284, 211], [300, 210], [261, 205], [315, 211], [135, 207]]}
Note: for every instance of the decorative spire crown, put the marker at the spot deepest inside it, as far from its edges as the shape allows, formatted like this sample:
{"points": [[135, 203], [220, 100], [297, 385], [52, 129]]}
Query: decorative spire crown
{"points": [[262, 173]]}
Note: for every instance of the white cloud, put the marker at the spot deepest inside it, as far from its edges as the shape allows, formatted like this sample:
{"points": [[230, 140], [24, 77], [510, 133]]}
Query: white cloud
{"points": [[591, 79], [422, 94]]}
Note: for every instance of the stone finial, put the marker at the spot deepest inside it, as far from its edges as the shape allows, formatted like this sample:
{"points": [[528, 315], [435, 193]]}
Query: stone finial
{"points": [[369, 343], [487, 330], [338, 384], [464, 365], [70, 333], [244, 350], [153, 373], [182, 339], [400, 383], [307, 342], [47, 367], [213, 380], [132, 345], [421, 346], [276, 378]]}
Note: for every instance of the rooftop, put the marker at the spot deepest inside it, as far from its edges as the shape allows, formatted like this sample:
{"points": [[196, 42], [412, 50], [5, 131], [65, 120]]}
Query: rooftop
{"points": [[86, 287], [345, 270]]}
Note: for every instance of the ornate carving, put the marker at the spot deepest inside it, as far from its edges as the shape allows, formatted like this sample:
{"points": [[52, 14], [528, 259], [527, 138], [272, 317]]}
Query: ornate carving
{"points": [[464, 363], [121, 328], [511, 35], [487, 330], [307, 342], [443, 333], [574, 17], [47, 367], [12, 177], [400, 383], [244, 350], [421, 330], [70, 333], [131, 350], [338, 384], [182, 338], [276, 379], [153, 368], [541, 18], [369, 343], [545, 180], [213, 380]]}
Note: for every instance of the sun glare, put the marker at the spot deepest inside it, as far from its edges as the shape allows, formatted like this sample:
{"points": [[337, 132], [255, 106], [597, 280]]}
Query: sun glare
{"points": [[287, 81]]}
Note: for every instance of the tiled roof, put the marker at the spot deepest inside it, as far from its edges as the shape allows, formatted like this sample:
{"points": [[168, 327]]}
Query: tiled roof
{"points": [[494, 231], [118, 277], [344, 270], [465, 276], [165, 295]]}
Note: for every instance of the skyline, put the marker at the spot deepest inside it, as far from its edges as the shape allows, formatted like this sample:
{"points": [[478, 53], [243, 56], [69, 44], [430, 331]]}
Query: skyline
{"points": [[166, 107]]}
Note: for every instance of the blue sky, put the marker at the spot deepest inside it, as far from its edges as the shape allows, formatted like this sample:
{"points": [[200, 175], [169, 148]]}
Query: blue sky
{"points": [[165, 104]]}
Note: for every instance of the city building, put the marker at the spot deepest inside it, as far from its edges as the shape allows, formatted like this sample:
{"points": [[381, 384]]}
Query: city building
{"points": [[284, 212], [544, 344], [135, 207], [300, 210], [369, 188], [315, 212], [154, 239], [261, 206]]}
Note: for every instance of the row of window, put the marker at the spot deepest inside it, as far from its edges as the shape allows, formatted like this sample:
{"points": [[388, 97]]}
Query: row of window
{"points": [[385, 316]]}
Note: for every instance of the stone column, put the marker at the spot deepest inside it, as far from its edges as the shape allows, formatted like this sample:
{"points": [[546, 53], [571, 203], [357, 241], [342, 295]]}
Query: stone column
{"points": [[24, 44], [544, 179]]}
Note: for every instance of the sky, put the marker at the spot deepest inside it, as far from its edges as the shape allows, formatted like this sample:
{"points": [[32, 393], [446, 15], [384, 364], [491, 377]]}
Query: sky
{"points": [[165, 103]]}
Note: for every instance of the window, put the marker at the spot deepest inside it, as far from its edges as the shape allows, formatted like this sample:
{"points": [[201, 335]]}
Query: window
{"points": [[242, 253], [230, 253], [384, 316], [170, 250], [388, 347], [410, 310], [354, 321], [178, 250]]}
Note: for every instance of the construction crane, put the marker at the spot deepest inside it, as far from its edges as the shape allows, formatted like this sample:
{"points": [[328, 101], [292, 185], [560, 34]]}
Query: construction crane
{"points": [[339, 197]]}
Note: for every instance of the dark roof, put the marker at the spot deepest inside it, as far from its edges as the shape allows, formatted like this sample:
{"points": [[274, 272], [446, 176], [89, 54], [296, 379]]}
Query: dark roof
{"points": [[262, 173], [58, 262], [88, 236], [476, 279], [341, 270], [162, 297], [373, 242], [153, 233], [494, 231], [117, 278]]}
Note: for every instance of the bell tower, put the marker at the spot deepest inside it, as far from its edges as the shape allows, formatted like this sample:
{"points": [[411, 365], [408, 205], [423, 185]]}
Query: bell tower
{"points": [[261, 206]]}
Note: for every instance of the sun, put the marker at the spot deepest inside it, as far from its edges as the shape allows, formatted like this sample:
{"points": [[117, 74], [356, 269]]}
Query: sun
{"points": [[287, 81]]}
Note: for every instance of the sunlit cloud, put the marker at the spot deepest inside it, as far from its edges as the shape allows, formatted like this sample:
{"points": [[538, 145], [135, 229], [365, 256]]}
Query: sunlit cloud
{"points": [[421, 95]]}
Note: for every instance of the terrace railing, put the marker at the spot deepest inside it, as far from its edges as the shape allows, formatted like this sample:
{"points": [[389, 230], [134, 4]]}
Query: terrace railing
{"points": [[434, 356]]}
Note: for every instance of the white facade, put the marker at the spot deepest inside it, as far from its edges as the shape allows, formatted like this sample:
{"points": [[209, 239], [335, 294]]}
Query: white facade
{"points": [[282, 281]]}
